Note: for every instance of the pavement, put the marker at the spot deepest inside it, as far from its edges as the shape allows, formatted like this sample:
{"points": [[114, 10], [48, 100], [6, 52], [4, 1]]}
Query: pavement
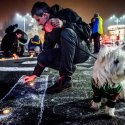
{"points": [[23, 104], [71, 107]]}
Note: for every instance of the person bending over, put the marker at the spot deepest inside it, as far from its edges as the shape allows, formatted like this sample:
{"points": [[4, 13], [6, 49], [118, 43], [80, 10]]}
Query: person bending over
{"points": [[10, 45]]}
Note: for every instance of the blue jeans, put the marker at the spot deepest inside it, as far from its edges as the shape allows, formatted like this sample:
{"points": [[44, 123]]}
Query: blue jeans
{"points": [[64, 57]]}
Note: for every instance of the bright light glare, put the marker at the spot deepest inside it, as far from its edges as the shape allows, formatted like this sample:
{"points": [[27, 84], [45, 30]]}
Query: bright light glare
{"points": [[27, 14], [23, 16], [31, 84], [18, 15], [6, 111]]}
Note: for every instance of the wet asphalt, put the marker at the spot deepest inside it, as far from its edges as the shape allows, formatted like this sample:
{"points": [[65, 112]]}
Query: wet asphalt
{"points": [[70, 107]]}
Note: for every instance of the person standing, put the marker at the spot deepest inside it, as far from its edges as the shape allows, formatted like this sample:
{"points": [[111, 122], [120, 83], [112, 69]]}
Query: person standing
{"points": [[97, 30]]}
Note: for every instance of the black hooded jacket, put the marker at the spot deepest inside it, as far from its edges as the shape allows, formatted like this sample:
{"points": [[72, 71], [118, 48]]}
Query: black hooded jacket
{"points": [[9, 43], [70, 20]]}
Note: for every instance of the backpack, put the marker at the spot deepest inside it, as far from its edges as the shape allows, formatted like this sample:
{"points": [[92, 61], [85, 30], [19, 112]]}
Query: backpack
{"points": [[86, 31], [85, 34]]}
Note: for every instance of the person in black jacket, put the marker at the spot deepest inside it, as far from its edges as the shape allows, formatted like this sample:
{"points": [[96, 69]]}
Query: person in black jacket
{"points": [[65, 28], [11, 28], [10, 45]]}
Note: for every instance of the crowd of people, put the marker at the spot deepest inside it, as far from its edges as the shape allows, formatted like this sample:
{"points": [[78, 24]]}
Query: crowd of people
{"points": [[63, 28]]}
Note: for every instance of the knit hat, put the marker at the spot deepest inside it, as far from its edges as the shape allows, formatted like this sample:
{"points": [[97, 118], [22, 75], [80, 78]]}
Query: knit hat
{"points": [[35, 38]]}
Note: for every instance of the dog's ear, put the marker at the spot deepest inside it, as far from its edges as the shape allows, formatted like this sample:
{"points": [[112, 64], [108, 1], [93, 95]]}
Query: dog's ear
{"points": [[102, 53]]}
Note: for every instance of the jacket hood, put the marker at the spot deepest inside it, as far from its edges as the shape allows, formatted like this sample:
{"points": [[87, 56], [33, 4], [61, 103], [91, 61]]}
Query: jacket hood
{"points": [[54, 9], [36, 38]]}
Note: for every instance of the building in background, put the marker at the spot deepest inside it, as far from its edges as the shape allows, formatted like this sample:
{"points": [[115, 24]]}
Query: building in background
{"points": [[117, 32], [116, 29]]}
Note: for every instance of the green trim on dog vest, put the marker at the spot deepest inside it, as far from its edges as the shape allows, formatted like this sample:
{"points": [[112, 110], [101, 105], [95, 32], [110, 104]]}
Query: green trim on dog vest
{"points": [[106, 89]]}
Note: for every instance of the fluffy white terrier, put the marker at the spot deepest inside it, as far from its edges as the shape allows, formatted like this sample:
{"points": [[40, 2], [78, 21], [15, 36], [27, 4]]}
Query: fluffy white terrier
{"points": [[108, 76]]}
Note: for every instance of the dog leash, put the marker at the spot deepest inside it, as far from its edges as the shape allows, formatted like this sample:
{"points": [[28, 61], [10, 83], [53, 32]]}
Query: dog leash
{"points": [[87, 52]]}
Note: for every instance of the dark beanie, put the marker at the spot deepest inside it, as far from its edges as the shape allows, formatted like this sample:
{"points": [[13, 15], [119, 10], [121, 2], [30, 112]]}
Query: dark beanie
{"points": [[36, 38], [18, 31]]}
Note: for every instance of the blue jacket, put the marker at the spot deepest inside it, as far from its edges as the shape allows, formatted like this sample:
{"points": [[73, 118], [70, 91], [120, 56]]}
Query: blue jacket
{"points": [[97, 25], [34, 44]]}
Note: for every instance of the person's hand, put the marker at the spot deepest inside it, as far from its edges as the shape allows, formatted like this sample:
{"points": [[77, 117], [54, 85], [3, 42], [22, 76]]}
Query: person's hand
{"points": [[15, 56], [31, 55], [56, 22], [28, 79], [53, 23]]}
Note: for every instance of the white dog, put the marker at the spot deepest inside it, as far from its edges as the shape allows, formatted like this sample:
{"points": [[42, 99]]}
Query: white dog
{"points": [[108, 76]]}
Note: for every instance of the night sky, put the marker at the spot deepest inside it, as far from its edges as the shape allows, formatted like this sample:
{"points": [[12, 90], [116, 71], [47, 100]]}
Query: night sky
{"points": [[85, 8]]}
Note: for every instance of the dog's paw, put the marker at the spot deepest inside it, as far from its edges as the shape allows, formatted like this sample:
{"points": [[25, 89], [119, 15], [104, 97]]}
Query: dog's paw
{"points": [[95, 105], [110, 111]]}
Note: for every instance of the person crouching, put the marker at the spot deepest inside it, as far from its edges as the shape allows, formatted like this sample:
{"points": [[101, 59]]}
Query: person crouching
{"points": [[34, 46]]}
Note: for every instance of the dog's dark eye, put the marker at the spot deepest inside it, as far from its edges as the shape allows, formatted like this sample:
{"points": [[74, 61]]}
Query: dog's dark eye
{"points": [[116, 61]]}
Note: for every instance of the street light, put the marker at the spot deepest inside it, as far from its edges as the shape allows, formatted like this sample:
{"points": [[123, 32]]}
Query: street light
{"points": [[19, 16], [117, 21], [28, 22], [122, 18]]}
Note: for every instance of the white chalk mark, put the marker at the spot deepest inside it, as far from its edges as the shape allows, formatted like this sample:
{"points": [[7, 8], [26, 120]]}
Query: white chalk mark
{"points": [[18, 69], [30, 62]]}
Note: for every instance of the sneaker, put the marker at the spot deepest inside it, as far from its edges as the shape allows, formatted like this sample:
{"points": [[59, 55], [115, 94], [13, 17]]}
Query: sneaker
{"points": [[60, 85]]}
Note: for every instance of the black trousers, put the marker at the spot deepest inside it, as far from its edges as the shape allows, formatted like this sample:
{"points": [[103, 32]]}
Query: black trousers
{"points": [[72, 51], [96, 38]]}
